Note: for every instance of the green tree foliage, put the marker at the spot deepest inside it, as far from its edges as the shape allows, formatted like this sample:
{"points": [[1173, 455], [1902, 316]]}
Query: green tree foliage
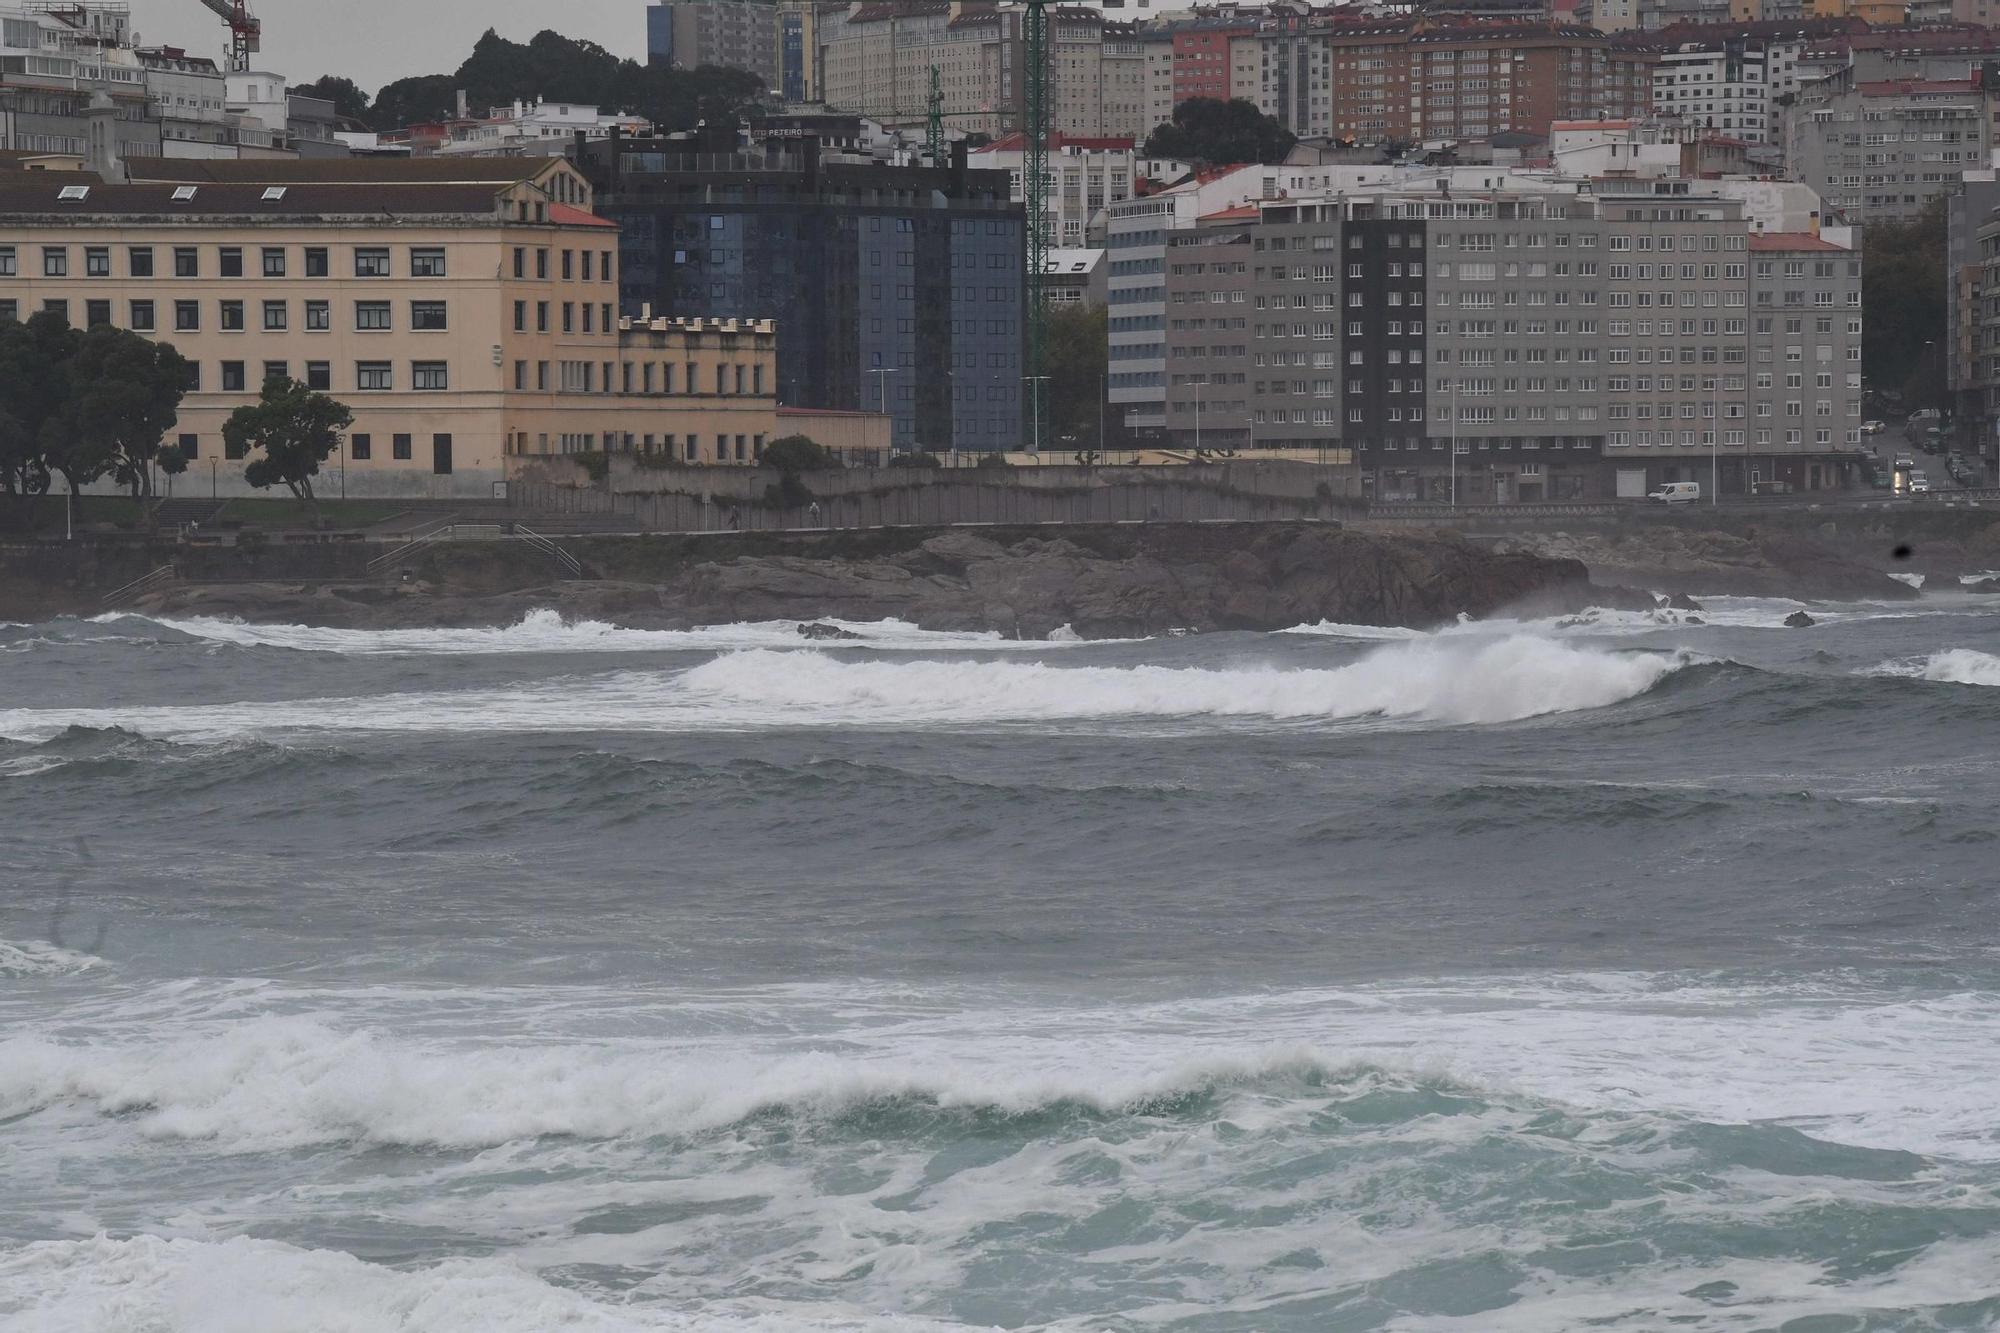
{"points": [[1903, 291], [798, 453], [349, 101], [563, 69], [1205, 129], [1078, 349], [34, 386], [126, 396], [297, 430]]}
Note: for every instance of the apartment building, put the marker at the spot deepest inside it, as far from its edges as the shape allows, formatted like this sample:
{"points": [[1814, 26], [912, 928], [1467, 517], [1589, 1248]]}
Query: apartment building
{"points": [[1208, 332], [898, 288], [876, 60], [466, 325], [1416, 81], [1533, 344], [1084, 175], [738, 34], [65, 86], [1970, 366], [1724, 89], [1881, 151]]}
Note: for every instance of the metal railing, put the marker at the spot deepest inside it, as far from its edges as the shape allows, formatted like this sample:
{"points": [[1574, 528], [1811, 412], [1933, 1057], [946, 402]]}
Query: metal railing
{"points": [[566, 562], [390, 559], [138, 587]]}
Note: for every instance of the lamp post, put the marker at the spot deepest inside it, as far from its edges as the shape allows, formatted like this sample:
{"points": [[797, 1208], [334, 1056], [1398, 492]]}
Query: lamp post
{"points": [[882, 400], [1455, 367], [1197, 416], [1714, 442], [1034, 383]]}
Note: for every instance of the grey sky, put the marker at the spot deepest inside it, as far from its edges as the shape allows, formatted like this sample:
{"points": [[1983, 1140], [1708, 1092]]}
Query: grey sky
{"points": [[376, 41]]}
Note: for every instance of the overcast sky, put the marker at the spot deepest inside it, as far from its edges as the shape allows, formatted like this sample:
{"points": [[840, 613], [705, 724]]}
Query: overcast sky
{"points": [[376, 41]]}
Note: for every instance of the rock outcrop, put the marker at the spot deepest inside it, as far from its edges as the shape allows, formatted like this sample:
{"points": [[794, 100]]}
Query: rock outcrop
{"points": [[1102, 581], [1683, 558]]}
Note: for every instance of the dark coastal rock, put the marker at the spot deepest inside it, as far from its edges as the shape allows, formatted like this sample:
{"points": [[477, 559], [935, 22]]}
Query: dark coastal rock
{"points": [[1799, 620], [1680, 601], [821, 632], [1982, 585], [1102, 581]]}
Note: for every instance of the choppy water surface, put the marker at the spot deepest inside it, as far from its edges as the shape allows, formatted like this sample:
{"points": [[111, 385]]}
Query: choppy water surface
{"points": [[1621, 973]]}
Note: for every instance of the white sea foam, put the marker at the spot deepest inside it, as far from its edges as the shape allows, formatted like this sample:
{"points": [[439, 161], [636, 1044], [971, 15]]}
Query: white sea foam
{"points": [[1955, 666], [1373, 633], [548, 631], [1476, 681], [1843, 1063], [153, 1284], [37, 958], [1914, 580]]}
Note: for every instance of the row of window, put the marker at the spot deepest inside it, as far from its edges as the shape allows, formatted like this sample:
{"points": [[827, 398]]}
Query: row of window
{"points": [[596, 318], [637, 377], [360, 448], [372, 261], [315, 261], [369, 376]]}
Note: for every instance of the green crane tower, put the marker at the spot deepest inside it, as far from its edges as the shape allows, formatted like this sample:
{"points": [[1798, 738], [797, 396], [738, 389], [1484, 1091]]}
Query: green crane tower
{"points": [[1035, 191]]}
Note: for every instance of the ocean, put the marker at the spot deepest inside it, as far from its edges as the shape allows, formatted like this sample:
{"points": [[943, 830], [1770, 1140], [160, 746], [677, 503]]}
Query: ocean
{"points": [[1629, 972]]}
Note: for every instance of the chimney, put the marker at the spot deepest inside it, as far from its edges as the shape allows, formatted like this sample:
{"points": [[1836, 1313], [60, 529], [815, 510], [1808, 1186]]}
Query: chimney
{"points": [[1812, 223], [101, 138], [464, 107]]}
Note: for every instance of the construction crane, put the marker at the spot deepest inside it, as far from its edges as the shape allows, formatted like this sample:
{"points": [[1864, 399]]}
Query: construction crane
{"points": [[1035, 193], [246, 33]]}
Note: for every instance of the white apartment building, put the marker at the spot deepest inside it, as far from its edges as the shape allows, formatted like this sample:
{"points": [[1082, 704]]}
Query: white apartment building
{"points": [[537, 128], [1085, 175], [1723, 89]]}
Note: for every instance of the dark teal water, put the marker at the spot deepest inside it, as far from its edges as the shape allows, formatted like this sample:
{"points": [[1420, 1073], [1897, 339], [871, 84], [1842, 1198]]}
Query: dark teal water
{"points": [[1624, 973]]}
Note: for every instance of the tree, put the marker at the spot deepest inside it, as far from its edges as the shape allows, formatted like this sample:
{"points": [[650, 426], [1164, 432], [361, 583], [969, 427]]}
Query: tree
{"points": [[31, 386], [349, 101], [1078, 350], [1903, 342], [1215, 132], [297, 430], [797, 453], [427, 97], [127, 395]]}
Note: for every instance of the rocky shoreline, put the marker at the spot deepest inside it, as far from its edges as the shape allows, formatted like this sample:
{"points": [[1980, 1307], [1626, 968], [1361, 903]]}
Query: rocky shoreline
{"points": [[1111, 581]]}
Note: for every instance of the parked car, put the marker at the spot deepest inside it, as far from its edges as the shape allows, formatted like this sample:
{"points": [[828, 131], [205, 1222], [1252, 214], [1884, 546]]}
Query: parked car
{"points": [[1924, 414], [1677, 492], [1918, 486], [1873, 427]]}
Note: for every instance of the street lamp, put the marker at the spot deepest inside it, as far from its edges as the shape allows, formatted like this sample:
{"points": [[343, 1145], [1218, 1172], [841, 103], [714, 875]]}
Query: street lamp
{"points": [[1034, 383]]}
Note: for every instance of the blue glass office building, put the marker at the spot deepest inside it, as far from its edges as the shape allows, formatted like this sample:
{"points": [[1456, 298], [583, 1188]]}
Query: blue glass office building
{"points": [[894, 288]]}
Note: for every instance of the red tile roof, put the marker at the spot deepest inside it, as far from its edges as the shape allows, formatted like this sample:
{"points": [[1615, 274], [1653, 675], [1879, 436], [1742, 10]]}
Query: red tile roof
{"points": [[567, 215], [1224, 215]]}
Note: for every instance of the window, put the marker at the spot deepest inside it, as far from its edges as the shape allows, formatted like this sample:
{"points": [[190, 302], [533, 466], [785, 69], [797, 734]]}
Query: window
{"points": [[190, 447], [360, 448], [274, 261], [194, 381], [399, 448], [568, 265], [374, 375], [140, 260], [232, 261], [569, 317], [587, 257], [541, 317], [520, 316], [232, 377], [187, 316], [542, 263], [233, 450], [96, 313], [142, 316], [232, 316], [427, 262], [520, 261], [9, 265], [97, 261], [429, 375], [371, 262], [275, 316], [187, 262], [319, 316], [427, 316], [441, 455], [371, 316], [316, 262], [319, 375], [55, 261], [277, 370]]}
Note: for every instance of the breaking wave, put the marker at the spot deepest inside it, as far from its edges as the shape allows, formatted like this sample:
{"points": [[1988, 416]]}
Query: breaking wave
{"points": [[37, 958], [547, 631], [1445, 681], [1955, 666]]}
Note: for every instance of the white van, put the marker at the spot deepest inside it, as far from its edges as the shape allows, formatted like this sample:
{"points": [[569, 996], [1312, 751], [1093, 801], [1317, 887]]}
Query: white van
{"points": [[1677, 492]]}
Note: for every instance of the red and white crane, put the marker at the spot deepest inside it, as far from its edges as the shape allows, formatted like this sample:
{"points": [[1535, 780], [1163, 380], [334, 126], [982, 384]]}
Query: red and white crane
{"points": [[246, 32]]}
